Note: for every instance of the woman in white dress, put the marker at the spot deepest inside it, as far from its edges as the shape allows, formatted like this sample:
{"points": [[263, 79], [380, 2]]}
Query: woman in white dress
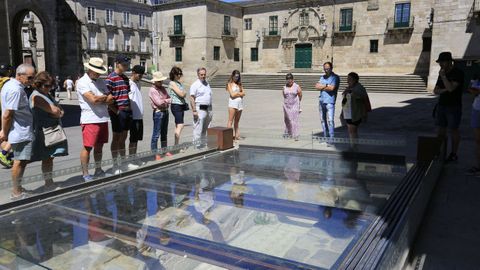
{"points": [[235, 102]]}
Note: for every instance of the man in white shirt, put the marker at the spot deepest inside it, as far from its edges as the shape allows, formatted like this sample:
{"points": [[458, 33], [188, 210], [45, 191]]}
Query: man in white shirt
{"points": [[201, 101], [94, 117], [68, 84], [136, 103], [17, 124]]}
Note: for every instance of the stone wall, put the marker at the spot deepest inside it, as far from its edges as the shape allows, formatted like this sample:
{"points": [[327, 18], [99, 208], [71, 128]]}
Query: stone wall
{"points": [[398, 52], [455, 32]]}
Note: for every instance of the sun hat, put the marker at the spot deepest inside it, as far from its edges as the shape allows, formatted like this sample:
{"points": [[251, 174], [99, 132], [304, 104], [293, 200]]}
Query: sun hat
{"points": [[158, 76], [444, 56], [96, 64]]}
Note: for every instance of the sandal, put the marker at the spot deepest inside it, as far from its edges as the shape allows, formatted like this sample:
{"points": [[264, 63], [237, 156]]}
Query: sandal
{"points": [[20, 196]]}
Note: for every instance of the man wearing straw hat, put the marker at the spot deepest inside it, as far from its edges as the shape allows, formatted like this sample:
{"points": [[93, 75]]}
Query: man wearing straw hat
{"points": [[93, 100], [160, 100]]}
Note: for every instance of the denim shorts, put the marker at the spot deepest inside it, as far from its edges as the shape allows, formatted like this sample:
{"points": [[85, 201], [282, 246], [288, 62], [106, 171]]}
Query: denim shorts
{"points": [[22, 150], [178, 113], [475, 119], [448, 116]]}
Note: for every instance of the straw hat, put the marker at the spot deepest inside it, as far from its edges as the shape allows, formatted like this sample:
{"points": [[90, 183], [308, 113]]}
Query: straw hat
{"points": [[158, 76], [96, 64]]}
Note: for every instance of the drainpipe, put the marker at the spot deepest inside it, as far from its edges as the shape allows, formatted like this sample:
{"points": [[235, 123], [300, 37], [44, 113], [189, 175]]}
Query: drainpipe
{"points": [[333, 30], [9, 34]]}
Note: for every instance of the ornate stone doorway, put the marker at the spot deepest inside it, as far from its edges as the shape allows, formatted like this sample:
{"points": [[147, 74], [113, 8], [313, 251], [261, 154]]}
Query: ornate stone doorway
{"points": [[303, 55]]}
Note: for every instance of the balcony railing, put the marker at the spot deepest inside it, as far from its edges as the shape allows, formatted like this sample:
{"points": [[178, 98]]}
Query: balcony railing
{"points": [[127, 24], [176, 33], [229, 33], [111, 23], [271, 32], [127, 48], [393, 25], [95, 47], [346, 29], [90, 21]]}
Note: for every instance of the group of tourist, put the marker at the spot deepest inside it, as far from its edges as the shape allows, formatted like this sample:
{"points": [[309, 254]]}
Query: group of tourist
{"points": [[31, 127], [355, 104]]}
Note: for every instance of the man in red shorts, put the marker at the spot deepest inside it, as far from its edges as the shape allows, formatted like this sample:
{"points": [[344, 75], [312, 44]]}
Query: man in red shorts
{"points": [[93, 100]]}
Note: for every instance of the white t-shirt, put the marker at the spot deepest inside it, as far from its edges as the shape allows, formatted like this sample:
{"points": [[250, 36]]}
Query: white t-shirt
{"points": [[92, 113], [69, 83], [136, 101], [476, 101], [201, 92], [14, 98]]}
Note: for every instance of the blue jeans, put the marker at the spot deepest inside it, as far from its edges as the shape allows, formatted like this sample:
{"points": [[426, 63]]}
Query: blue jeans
{"points": [[327, 113], [160, 129]]}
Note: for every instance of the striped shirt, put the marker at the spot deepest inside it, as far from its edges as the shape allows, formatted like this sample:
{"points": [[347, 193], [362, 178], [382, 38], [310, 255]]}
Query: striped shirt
{"points": [[119, 87]]}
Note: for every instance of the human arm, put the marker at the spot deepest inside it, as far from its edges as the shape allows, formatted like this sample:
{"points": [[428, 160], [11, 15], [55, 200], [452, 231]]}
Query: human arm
{"points": [[52, 109], [299, 93], [180, 93], [448, 84], [194, 107], [7, 118], [158, 101], [232, 93], [91, 98]]}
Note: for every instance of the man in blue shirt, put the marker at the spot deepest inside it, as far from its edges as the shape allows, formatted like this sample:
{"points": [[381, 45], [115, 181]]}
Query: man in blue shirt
{"points": [[328, 87]]}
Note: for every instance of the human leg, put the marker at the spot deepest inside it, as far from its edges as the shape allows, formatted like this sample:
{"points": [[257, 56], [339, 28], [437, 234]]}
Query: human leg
{"points": [[47, 169], [322, 109], [331, 119], [238, 115]]}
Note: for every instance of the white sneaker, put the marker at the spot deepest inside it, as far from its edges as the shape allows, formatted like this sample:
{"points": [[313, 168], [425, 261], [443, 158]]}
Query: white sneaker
{"points": [[130, 167], [116, 170]]}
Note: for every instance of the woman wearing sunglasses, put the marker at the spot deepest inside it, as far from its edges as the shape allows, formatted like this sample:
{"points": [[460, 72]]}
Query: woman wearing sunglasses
{"points": [[46, 113]]}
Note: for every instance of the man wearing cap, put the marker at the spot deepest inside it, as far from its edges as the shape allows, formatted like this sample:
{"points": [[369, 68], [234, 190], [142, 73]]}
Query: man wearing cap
{"points": [[136, 102], [93, 98], [120, 111], [5, 147], [448, 112], [17, 124], [201, 101]]}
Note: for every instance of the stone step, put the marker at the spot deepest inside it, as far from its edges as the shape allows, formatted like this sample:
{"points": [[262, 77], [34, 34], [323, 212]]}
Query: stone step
{"points": [[380, 83]]}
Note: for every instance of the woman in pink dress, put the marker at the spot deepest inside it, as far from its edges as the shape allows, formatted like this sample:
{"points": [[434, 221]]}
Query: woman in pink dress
{"points": [[292, 95]]}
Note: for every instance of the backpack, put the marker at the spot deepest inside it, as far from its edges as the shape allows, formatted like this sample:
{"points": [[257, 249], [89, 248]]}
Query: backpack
{"points": [[3, 80]]}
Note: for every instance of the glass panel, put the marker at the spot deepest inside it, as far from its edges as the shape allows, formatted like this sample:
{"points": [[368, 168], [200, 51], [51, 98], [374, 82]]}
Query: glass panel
{"points": [[10, 260], [251, 208]]}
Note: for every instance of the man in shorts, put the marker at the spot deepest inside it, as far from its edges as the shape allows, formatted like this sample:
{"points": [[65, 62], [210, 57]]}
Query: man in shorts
{"points": [[120, 111], [136, 101], [448, 113], [17, 124], [6, 155], [93, 100]]}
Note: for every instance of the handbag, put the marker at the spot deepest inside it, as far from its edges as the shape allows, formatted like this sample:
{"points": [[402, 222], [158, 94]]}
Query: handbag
{"points": [[54, 135], [185, 107]]}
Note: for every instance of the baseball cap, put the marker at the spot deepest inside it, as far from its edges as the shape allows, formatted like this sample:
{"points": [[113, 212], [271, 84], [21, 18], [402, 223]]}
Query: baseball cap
{"points": [[138, 69], [122, 59]]}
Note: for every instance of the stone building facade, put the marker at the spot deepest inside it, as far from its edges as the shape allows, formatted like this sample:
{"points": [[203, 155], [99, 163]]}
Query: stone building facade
{"points": [[369, 37], [112, 27]]}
